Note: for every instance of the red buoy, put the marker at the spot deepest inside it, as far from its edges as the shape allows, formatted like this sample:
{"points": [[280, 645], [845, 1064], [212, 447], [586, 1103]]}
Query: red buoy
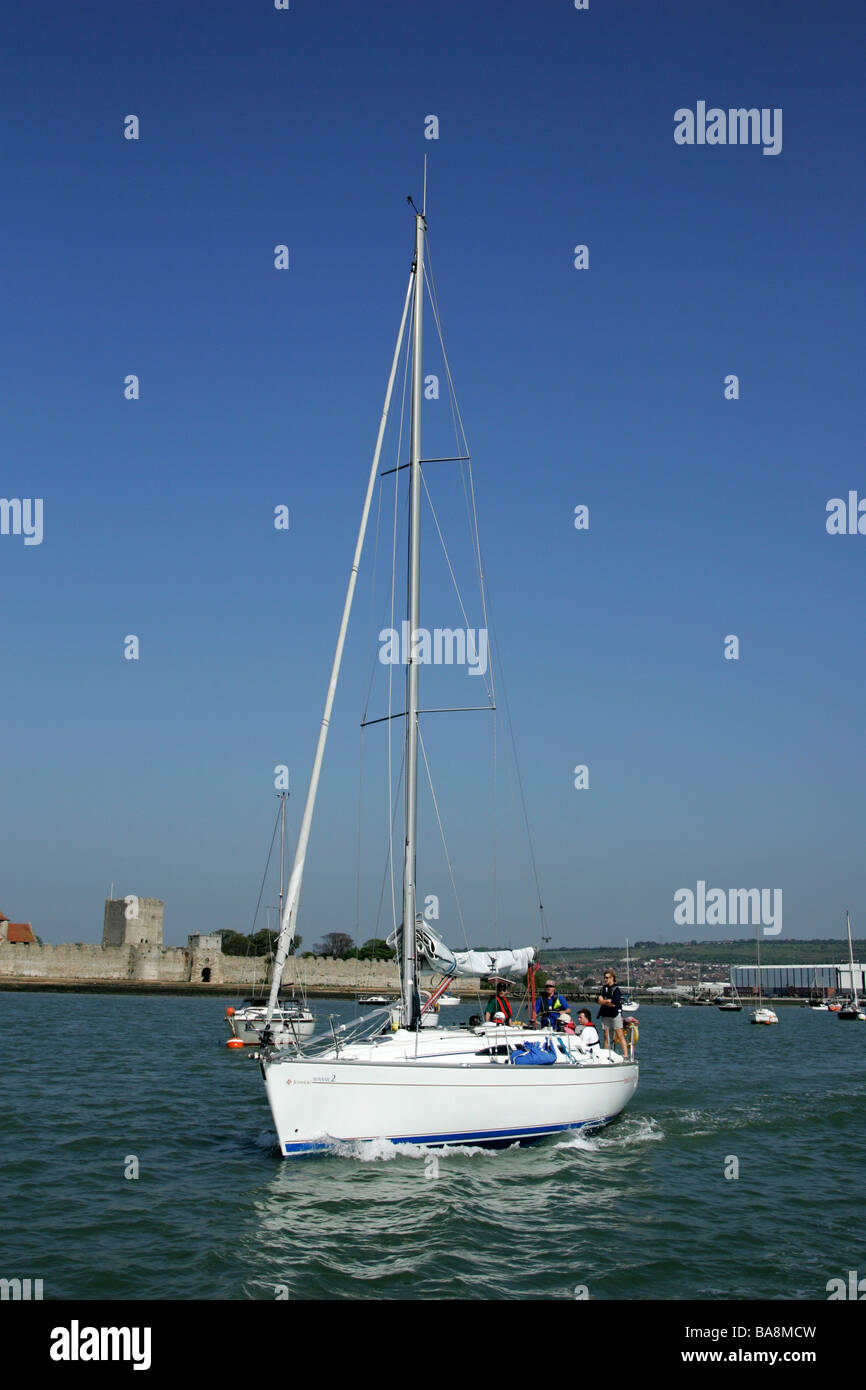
{"points": [[233, 1042]]}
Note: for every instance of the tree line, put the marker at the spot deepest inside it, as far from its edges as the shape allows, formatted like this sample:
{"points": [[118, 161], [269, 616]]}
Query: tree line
{"points": [[335, 945]]}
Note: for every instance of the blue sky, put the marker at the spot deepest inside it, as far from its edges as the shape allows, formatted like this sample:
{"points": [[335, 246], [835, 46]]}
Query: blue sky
{"points": [[603, 387]]}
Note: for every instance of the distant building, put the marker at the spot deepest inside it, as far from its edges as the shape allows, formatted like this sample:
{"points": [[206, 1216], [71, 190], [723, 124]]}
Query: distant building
{"points": [[799, 980], [16, 933]]}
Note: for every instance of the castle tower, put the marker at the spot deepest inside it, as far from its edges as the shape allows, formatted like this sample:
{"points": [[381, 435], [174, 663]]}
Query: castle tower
{"points": [[133, 921], [205, 957]]}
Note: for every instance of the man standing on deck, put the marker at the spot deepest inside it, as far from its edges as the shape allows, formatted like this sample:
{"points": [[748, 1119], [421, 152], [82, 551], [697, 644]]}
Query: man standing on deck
{"points": [[610, 1013]]}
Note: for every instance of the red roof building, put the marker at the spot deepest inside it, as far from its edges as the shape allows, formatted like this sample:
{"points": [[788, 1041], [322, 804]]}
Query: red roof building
{"points": [[20, 933]]}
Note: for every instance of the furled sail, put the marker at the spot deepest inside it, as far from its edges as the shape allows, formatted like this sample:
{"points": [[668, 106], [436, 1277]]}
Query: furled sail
{"points": [[495, 962], [441, 957]]}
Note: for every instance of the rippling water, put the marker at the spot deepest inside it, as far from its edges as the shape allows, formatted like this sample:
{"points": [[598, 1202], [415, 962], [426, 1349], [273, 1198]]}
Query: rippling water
{"points": [[640, 1210]]}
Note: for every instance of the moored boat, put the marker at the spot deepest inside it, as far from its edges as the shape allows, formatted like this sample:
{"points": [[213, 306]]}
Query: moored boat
{"points": [[291, 1022], [852, 1009], [762, 1014]]}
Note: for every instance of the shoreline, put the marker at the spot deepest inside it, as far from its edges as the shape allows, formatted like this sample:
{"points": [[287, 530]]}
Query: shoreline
{"points": [[13, 986]]}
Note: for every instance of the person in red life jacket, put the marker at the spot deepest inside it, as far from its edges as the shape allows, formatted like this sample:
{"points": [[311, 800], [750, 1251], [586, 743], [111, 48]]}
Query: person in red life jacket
{"points": [[566, 1023], [499, 1005], [588, 1037]]}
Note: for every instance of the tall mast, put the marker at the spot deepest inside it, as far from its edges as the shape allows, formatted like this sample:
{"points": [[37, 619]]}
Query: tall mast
{"points": [[282, 847], [854, 993], [410, 980]]}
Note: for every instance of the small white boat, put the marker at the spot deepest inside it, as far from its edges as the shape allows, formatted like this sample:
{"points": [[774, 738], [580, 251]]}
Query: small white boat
{"points": [[291, 1023], [449, 1000], [377, 999], [852, 1008], [763, 1015], [629, 1005], [676, 1004]]}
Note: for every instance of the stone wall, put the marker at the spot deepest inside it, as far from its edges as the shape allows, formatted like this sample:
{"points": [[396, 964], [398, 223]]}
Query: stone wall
{"points": [[149, 964], [63, 962]]}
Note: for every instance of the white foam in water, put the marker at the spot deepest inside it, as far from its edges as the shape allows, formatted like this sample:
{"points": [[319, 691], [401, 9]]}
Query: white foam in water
{"points": [[379, 1150], [634, 1129], [579, 1140]]}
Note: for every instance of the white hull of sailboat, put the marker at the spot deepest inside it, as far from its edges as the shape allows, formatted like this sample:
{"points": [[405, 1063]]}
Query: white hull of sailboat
{"points": [[247, 1026], [317, 1104], [764, 1016]]}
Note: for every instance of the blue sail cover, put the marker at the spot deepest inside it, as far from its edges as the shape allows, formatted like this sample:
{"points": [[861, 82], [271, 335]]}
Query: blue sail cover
{"points": [[533, 1054]]}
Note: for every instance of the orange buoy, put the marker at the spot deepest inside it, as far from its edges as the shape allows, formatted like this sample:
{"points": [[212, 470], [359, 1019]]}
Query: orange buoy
{"points": [[233, 1042], [230, 1012]]}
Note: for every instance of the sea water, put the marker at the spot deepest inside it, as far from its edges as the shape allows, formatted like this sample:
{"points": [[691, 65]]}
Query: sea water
{"points": [[138, 1160]]}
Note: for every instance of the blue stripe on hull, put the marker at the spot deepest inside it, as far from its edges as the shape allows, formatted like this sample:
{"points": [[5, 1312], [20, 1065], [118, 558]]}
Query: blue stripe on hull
{"points": [[489, 1139]]}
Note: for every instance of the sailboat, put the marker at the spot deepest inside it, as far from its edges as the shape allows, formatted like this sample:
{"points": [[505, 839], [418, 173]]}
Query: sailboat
{"points": [[762, 1014], [628, 1004], [816, 1002], [677, 1002], [386, 1076], [731, 1004], [292, 1020], [853, 1008]]}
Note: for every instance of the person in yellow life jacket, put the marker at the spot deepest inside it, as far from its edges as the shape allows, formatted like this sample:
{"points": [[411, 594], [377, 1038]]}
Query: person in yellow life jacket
{"points": [[549, 1005], [499, 1005]]}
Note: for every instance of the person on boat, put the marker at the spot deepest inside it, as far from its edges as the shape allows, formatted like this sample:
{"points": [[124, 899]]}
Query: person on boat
{"points": [[587, 1038], [499, 1004], [549, 1005], [610, 1012], [566, 1023]]}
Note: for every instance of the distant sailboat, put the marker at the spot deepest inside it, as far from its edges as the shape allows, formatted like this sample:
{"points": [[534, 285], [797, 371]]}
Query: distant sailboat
{"points": [[733, 1004], [762, 1014], [852, 1009], [292, 1021], [677, 1002], [628, 1004], [817, 1003]]}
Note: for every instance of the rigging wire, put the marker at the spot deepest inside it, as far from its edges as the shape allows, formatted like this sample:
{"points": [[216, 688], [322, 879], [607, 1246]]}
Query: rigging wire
{"points": [[442, 834]]}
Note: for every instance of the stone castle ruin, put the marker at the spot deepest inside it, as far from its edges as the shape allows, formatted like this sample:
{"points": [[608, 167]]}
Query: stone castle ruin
{"points": [[132, 951]]}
